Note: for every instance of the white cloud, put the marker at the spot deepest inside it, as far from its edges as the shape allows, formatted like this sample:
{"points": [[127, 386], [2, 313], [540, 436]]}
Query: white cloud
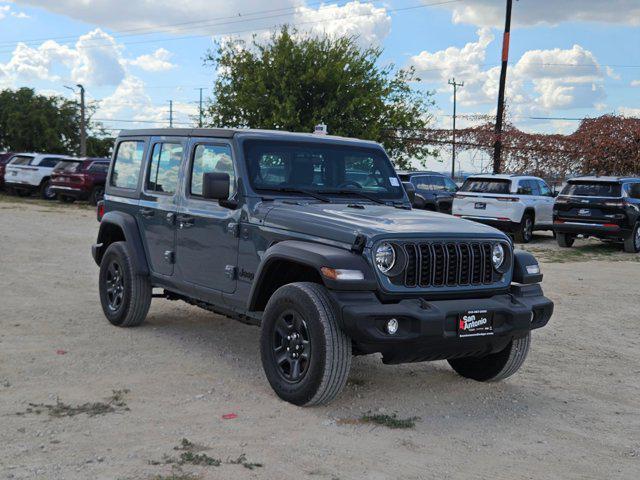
{"points": [[629, 112], [635, 83], [158, 61], [4, 9], [540, 81], [99, 60], [550, 12]]}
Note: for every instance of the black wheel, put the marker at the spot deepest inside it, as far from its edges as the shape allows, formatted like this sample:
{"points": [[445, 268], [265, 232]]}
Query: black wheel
{"points": [[525, 231], [305, 355], [632, 244], [496, 366], [565, 240], [125, 296], [97, 194], [46, 192]]}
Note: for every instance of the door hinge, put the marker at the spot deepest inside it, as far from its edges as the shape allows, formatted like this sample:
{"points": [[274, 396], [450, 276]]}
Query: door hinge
{"points": [[170, 256], [233, 228], [230, 272]]}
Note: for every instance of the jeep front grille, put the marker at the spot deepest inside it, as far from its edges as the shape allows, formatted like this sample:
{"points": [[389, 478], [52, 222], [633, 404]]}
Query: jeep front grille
{"points": [[448, 264]]}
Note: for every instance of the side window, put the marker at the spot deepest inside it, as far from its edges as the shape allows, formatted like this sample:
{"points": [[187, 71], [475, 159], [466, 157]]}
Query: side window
{"points": [[49, 162], [525, 188], [99, 167], [211, 158], [422, 183], [21, 160], [127, 163], [164, 166], [544, 189]]}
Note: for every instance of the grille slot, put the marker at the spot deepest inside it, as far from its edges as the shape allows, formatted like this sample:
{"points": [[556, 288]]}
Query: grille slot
{"points": [[450, 264]]}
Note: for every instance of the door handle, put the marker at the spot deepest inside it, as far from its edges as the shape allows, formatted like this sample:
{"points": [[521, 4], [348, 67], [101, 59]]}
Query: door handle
{"points": [[185, 221], [147, 212]]}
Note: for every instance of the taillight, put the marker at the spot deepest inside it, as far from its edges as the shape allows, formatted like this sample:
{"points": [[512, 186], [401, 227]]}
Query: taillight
{"points": [[100, 210]]}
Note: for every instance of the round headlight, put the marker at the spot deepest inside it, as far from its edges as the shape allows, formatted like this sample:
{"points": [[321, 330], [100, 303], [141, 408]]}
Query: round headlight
{"points": [[497, 256], [385, 257]]}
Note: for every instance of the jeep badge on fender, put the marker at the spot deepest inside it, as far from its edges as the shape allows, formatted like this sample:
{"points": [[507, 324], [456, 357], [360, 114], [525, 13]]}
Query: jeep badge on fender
{"points": [[325, 255]]}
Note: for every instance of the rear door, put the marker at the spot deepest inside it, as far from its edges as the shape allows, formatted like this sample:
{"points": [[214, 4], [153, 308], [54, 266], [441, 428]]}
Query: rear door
{"points": [[207, 234], [544, 209], [158, 204]]}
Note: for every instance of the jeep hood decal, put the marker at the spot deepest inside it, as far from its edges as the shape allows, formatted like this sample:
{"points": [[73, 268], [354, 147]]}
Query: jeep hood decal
{"points": [[340, 222]]}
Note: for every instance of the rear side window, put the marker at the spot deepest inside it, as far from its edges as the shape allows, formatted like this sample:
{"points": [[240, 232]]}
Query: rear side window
{"points": [[593, 189], [127, 163], [212, 158], [68, 166], [98, 167], [164, 167], [21, 160], [486, 185], [49, 162]]}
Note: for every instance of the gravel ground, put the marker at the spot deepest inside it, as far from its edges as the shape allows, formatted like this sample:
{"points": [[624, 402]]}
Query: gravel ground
{"points": [[572, 412]]}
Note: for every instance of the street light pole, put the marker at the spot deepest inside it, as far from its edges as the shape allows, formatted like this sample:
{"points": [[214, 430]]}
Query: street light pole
{"points": [[497, 146], [453, 144]]}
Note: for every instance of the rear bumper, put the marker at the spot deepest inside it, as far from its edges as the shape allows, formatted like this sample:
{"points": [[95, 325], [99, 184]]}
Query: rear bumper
{"points": [[591, 229], [428, 329], [505, 224], [74, 192]]}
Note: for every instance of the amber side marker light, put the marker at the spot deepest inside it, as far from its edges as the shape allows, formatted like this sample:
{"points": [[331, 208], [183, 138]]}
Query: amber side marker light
{"points": [[338, 274]]}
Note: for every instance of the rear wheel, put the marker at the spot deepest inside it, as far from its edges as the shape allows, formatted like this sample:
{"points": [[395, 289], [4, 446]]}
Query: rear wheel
{"points": [[565, 240], [125, 296], [496, 366], [97, 194], [46, 192], [632, 244], [305, 355], [525, 231]]}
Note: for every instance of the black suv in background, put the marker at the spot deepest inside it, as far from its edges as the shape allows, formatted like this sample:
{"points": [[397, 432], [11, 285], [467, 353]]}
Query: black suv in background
{"points": [[607, 208], [434, 191]]}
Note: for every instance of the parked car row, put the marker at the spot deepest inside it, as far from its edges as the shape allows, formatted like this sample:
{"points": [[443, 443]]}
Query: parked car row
{"points": [[54, 176]]}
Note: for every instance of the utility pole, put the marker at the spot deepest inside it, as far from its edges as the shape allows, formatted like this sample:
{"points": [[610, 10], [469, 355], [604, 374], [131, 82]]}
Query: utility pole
{"points": [[170, 113], [83, 124], [201, 112], [455, 85], [497, 146]]}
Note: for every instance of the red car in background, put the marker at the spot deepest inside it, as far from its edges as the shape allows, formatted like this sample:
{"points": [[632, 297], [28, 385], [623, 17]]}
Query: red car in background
{"points": [[4, 159], [80, 179]]}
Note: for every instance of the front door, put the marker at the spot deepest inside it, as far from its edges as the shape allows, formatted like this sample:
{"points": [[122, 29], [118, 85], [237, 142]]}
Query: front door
{"points": [[207, 234], [157, 209]]}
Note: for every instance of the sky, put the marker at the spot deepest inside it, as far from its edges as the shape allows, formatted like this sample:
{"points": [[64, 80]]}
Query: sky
{"points": [[568, 59]]}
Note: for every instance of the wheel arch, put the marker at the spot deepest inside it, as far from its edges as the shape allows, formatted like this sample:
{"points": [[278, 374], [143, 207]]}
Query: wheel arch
{"points": [[116, 227], [298, 261]]}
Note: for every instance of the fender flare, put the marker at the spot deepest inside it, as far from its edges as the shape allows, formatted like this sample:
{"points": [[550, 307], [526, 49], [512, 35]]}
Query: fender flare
{"points": [[129, 227], [316, 256]]}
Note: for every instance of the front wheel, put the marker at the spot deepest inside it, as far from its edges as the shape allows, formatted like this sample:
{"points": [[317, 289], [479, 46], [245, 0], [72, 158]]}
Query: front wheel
{"points": [[632, 244], [305, 355], [124, 295], [495, 366]]}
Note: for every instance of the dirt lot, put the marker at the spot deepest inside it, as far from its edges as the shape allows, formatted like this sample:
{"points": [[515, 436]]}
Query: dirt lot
{"points": [[573, 412]]}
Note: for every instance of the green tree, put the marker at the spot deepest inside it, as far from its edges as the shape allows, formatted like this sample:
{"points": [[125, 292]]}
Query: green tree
{"points": [[294, 82], [40, 123]]}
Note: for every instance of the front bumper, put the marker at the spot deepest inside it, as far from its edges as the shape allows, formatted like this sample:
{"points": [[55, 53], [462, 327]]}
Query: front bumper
{"points": [[428, 329]]}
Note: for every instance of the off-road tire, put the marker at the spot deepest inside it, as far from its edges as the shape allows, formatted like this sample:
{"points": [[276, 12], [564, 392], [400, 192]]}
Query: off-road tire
{"points": [[565, 240], [632, 243], [136, 289], [97, 193], [330, 349], [495, 366], [45, 190], [524, 234]]}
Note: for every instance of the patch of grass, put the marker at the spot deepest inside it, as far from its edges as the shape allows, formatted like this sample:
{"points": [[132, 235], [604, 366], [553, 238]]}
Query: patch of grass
{"points": [[190, 457], [586, 253], [198, 459], [176, 476], [115, 403], [242, 460], [389, 421]]}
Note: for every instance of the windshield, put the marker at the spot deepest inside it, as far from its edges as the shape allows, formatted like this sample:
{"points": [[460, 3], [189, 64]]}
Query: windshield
{"points": [[68, 167], [592, 189], [319, 167], [486, 185]]}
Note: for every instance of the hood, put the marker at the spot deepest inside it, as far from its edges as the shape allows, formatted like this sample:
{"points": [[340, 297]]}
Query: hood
{"points": [[342, 222]]}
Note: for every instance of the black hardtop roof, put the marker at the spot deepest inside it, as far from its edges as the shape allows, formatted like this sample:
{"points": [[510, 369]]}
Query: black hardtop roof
{"points": [[232, 132], [606, 179]]}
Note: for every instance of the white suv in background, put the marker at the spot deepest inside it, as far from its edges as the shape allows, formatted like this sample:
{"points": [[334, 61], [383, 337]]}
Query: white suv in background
{"points": [[512, 203], [29, 172]]}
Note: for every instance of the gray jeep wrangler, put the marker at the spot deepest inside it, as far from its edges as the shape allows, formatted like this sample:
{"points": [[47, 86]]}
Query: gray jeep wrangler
{"points": [[313, 239]]}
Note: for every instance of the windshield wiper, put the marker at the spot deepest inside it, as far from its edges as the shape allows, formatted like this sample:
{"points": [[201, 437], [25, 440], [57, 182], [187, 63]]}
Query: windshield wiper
{"points": [[358, 193], [303, 191]]}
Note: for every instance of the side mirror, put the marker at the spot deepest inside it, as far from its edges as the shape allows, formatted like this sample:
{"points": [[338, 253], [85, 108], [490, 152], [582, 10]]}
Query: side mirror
{"points": [[555, 193], [215, 186], [411, 191]]}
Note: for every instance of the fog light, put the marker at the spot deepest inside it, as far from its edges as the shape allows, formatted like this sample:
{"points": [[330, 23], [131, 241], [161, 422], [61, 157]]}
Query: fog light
{"points": [[392, 326]]}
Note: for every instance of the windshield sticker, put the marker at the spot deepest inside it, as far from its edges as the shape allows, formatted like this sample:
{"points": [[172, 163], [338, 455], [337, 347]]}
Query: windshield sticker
{"points": [[394, 182]]}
